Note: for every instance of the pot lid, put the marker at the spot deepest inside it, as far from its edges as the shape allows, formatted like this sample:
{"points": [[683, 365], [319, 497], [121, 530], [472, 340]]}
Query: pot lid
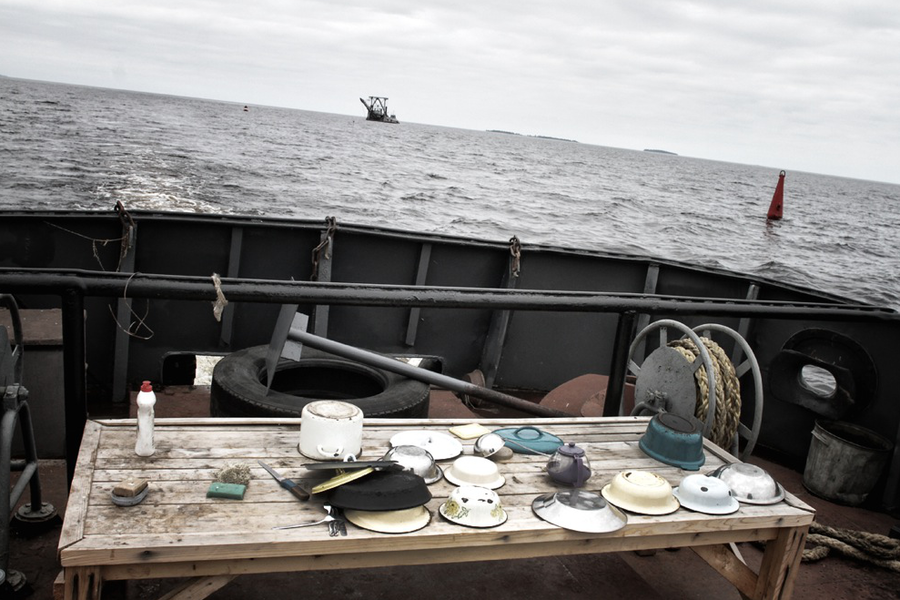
{"points": [[333, 410], [570, 449], [529, 440], [441, 445]]}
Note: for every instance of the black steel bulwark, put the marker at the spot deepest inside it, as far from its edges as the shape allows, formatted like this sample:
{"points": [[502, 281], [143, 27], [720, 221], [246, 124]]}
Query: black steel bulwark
{"points": [[73, 286]]}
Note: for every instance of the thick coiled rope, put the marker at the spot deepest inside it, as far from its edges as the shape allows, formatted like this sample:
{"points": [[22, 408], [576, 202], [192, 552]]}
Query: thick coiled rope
{"points": [[879, 550], [728, 390]]}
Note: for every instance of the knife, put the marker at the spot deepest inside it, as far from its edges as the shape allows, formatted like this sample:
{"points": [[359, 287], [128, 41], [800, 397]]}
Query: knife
{"points": [[287, 484]]}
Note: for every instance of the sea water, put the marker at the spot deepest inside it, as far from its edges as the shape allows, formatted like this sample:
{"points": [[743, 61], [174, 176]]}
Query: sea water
{"points": [[70, 147]]}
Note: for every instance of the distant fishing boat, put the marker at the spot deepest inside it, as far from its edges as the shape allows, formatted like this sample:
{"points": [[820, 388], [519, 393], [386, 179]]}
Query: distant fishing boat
{"points": [[377, 110]]}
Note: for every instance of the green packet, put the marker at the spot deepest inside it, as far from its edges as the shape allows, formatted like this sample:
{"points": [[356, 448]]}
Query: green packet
{"points": [[232, 491]]}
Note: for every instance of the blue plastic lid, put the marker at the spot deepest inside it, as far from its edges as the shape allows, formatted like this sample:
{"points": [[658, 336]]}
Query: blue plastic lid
{"points": [[529, 440]]}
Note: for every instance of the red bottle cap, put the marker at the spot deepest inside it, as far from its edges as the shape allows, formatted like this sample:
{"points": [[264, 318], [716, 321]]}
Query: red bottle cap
{"points": [[146, 387]]}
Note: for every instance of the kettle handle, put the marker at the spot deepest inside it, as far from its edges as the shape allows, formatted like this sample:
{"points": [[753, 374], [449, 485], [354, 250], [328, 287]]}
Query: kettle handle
{"points": [[580, 477]]}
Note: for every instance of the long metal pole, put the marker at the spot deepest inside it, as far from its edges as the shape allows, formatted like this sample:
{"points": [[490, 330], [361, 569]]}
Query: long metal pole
{"points": [[402, 368], [138, 285]]}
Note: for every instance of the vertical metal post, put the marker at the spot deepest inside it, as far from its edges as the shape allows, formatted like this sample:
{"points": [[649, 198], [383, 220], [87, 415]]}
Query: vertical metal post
{"points": [[618, 366], [744, 326], [496, 336], [123, 317], [651, 282], [412, 326], [73, 374], [323, 254], [234, 266]]}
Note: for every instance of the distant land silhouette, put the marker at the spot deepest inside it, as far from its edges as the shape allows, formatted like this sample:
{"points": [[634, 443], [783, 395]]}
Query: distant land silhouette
{"points": [[543, 137]]}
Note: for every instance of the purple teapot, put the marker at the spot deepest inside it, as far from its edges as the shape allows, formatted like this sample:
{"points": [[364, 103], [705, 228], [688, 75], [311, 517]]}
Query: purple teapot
{"points": [[569, 465]]}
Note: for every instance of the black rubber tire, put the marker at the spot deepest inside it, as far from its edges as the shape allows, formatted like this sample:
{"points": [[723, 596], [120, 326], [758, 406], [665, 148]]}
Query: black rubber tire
{"points": [[239, 389]]}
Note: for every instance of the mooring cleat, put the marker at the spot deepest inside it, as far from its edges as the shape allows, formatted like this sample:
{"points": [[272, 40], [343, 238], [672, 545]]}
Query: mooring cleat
{"points": [[27, 522]]}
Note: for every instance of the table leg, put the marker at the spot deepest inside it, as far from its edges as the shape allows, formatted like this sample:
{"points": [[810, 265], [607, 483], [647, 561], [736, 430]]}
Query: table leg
{"points": [[780, 564], [82, 583], [724, 559]]}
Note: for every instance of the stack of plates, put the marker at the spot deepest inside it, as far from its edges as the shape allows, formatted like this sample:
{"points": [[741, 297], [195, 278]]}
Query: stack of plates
{"points": [[385, 501]]}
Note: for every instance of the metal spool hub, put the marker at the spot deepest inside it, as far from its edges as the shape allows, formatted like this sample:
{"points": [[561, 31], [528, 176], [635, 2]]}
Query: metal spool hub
{"points": [[666, 380]]}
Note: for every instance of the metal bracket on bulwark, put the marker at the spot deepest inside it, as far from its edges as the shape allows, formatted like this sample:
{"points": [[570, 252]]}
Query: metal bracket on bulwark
{"points": [[496, 338], [322, 256]]}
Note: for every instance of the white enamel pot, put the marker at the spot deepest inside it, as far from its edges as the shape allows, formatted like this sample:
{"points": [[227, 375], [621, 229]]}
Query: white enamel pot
{"points": [[331, 430]]}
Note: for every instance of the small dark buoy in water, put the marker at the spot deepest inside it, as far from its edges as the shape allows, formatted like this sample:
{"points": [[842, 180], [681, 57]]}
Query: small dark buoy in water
{"points": [[776, 209], [246, 108]]}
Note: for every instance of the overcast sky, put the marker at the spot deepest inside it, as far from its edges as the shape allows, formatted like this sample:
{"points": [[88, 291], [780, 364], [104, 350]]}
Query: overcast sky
{"points": [[790, 84]]}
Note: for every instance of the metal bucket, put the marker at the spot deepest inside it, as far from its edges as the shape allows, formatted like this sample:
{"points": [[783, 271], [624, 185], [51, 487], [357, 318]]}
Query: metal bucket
{"points": [[844, 461]]}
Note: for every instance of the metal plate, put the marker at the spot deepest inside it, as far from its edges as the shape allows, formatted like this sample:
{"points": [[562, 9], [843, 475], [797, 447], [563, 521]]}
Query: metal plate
{"points": [[668, 375]]}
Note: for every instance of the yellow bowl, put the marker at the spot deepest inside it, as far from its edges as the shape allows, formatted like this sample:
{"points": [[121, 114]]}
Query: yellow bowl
{"points": [[641, 492]]}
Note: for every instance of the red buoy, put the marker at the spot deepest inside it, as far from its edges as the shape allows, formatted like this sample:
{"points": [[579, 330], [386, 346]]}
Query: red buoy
{"points": [[776, 209]]}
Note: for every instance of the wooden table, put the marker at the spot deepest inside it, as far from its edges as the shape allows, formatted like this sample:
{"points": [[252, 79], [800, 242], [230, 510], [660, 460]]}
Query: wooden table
{"points": [[179, 532]]}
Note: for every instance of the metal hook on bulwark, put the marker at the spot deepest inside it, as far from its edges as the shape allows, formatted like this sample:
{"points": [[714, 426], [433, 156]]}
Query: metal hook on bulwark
{"points": [[515, 250], [325, 244], [128, 231]]}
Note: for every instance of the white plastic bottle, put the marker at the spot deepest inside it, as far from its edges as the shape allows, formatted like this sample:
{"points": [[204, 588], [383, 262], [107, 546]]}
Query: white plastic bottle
{"points": [[146, 399]]}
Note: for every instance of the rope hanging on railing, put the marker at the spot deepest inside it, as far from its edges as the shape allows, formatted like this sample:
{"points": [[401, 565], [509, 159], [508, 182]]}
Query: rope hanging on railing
{"points": [[728, 390]]}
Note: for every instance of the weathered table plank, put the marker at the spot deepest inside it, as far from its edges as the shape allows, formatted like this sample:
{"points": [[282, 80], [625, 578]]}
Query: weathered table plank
{"points": [[179, 532]]}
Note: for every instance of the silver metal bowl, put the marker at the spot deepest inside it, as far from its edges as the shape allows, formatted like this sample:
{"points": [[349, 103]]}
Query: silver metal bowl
{"points": [[579, 510], [488, 445], [416, 459], [750, 484]]}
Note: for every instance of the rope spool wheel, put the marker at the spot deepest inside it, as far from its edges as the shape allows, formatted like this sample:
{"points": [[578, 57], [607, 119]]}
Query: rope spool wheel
{"points": [[665, 381], [751, 365], [671, 379]]}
